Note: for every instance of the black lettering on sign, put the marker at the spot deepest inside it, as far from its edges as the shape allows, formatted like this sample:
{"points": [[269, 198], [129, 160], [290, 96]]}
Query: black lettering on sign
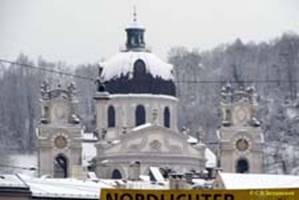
{"points": [[181, 196], [206, 196], [109, 197], [126, 196], [217, 197], [228, 197], [152, 197], [139, 196]]}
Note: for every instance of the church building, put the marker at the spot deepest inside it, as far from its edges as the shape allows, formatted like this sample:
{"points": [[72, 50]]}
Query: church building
{"points": [[136, 109]]}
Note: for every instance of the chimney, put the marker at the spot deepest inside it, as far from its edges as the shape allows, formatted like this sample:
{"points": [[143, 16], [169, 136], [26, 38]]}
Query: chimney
{"points": [[134, 171]]}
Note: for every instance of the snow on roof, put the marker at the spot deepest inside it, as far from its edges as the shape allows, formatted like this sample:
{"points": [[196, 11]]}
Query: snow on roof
{"points": [[156, 174], [258, 181], [140, 127], [135, 25], [89, 151], [89, 137], [145, 95], [11, 181], [123, 63], [192, 140], [211, 158], [147, 185], [67, 188]]}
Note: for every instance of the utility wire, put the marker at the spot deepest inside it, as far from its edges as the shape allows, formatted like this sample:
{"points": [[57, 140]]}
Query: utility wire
{"points": [[177, 81], [47, 70]]}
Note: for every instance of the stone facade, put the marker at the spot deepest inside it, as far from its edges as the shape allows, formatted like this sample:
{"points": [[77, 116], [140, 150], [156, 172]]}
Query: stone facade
{"points": [[59, 133], [136, 113], [125, 106], [150, 144], [240, 136]]}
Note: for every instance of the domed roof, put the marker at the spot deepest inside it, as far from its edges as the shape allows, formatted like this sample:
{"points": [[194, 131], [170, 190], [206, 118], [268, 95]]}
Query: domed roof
{"points": [[136, 70], [123, 64]]}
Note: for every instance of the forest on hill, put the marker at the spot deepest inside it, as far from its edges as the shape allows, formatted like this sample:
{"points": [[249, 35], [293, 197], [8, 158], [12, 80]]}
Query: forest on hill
{"points": [[271, 66]]}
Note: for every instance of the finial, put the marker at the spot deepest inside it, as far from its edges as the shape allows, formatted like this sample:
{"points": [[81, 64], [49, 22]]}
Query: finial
{"points": [[134, 14]]}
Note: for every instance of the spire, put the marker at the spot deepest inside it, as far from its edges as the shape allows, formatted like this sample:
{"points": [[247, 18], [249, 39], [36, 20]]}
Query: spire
{"points": [[134, 14], [135, 34]]}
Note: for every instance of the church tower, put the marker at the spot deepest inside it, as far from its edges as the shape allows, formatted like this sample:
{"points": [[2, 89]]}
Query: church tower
{"points": [[59, 133], [240, 135]]}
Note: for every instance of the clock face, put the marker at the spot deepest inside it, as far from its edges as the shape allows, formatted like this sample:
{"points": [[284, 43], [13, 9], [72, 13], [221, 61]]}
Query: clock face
{"points": [[60, 142], [59, 111], [241, 114], [242, 144]]}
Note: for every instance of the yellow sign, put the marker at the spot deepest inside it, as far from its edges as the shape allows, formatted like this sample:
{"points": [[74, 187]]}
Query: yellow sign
{"points": [[259, 194]]}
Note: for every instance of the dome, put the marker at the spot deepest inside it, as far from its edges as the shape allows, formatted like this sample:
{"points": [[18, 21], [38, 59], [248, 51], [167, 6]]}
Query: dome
{"points": [[136, 70], [123, 64]]}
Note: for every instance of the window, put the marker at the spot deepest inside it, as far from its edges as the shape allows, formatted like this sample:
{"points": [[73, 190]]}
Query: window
{"points": [[139, 68], [116, 174], [60, 166], [139, 115], [242, 166], [166, 117], [111, 117]]}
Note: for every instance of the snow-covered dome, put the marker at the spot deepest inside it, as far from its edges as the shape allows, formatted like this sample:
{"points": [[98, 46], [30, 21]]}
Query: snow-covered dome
{"points": [[136, 70], [124, 63]]}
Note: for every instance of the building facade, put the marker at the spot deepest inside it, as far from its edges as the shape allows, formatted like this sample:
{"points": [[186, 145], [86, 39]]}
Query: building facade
{"points": [[240, 135], [136, 111], [59, 133]]}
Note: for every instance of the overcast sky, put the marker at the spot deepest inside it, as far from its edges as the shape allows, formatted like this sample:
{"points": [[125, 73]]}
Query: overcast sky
{"points": [[84, 31]]}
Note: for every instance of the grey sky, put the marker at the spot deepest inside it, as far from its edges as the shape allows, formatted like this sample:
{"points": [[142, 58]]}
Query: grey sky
{"points": [[84, 31]]}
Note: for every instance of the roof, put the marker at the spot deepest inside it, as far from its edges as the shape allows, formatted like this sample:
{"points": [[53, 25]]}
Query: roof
{"points": [[135, 25], [258, 181], [64, 188], [123, 63], [12, 181], [209, 155]]}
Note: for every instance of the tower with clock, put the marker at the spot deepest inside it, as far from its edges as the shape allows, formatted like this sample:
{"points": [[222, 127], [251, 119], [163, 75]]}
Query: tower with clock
{"points": [[59, 133], [240, 135]]}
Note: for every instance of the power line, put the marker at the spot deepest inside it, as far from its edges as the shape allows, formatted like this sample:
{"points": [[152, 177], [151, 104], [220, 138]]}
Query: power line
{"points": [[47, 70], [176, 81]]}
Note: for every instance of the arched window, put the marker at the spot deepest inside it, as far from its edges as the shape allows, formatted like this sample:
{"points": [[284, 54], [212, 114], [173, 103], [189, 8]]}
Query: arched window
{"points": [[139, 68], [60, 166], [111, 117], [116, 174], [167, 117], [242, 166], [139, 115]]}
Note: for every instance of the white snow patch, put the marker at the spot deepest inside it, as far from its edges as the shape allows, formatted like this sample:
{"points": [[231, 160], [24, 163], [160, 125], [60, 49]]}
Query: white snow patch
{"points": [[123, 63], [135, 25], [89, 151], [211, 158], [192, 140], [67, 188], [11, 181], [143, 126], [258, 181], [143, 95]]}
